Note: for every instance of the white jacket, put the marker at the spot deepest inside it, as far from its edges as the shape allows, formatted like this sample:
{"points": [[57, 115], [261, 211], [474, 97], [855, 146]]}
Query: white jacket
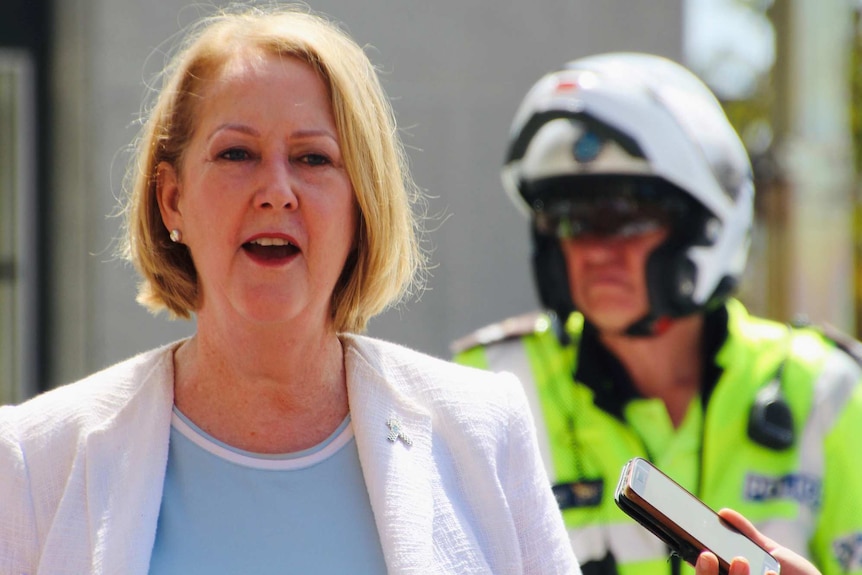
{"points": [[82, 469]]}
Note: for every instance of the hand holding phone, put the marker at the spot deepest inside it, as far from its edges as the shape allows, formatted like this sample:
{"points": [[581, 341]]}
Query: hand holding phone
{"points": [[792, 563], [684, 522]]}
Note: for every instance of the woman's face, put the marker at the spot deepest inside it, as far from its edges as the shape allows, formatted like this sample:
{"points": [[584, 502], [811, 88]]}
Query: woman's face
{"points": [[607, 277], [264, 202]]}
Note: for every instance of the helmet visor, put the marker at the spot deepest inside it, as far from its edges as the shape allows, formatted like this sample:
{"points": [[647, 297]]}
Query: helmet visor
{"points": [[622, 207]]}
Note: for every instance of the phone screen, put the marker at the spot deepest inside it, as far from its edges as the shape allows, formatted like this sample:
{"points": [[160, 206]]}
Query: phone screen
{"points": [[694, 517]]}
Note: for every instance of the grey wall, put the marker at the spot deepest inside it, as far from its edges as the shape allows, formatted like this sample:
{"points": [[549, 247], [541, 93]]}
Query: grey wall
{"points": [[456, 71]]}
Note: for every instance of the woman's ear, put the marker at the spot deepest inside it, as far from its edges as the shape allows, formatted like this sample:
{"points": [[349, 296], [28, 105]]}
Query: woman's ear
{"points": [[168, 195]]}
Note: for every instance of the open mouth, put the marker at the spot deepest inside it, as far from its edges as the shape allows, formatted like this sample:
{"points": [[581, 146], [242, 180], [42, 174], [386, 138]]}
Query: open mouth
{"points": [[270, 249]]}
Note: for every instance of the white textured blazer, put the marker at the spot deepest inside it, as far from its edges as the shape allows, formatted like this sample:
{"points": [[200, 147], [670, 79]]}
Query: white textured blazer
{"points": [[82, 469]]}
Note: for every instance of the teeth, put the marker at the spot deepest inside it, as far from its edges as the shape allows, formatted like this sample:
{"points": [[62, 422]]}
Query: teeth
{"points": [[271, 242]]}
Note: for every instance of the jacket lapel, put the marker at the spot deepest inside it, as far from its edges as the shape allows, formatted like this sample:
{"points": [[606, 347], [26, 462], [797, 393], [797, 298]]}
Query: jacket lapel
{"points": [[393, 437], [126, 461]]}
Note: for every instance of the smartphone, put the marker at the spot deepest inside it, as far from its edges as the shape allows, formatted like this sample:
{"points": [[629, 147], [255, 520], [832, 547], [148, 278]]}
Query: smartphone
{"points": [[683, 521]]}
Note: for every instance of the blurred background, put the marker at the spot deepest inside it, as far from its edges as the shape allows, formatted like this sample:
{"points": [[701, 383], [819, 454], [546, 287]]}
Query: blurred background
{"points": [[75, 73]]}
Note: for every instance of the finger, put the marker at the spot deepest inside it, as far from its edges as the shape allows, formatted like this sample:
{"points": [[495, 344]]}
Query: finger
{"points": [[706, 564], [747, 528], [739, 566]]}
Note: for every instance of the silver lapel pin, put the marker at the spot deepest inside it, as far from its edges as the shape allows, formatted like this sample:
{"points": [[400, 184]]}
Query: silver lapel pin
{"points": [[396, 432]]}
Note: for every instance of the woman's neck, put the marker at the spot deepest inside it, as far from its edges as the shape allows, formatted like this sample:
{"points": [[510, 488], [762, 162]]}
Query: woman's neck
{"points": [[264, 392]]}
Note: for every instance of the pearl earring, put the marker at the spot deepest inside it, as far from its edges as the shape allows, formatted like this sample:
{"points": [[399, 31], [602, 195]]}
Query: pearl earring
{"points": [[176, 235]]}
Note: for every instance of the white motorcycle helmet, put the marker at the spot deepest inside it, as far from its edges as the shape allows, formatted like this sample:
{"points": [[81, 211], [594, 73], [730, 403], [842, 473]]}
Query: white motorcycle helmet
{"points": [[615, 142]]}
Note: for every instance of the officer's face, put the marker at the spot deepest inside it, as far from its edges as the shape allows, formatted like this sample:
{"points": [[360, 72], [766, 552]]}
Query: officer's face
{"points": [[607, 275]]}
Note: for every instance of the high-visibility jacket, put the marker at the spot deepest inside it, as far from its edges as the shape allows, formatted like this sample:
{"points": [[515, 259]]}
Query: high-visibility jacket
{"points": [[807, 496]]}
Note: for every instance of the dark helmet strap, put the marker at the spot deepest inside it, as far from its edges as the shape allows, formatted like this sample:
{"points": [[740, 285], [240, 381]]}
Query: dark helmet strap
{"points": [[650, 325]]}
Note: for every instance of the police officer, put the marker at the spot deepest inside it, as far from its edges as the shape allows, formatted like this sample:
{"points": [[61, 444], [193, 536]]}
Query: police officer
{"points": [[640, 200]]}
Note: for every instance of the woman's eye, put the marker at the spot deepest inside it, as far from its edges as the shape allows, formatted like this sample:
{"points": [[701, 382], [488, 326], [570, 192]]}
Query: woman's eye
{"points": [[235, 155], [315, 159]]}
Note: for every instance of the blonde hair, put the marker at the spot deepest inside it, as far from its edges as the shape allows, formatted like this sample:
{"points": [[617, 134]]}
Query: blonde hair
{"points": [[388, 262]]}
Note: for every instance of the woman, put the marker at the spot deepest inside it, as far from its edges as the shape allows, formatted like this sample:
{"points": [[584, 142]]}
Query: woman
{"points": [[271, 201]]}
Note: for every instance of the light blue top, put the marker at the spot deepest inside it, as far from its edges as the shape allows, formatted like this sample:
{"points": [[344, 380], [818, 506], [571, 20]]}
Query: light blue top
{"points": [[230, 511]]}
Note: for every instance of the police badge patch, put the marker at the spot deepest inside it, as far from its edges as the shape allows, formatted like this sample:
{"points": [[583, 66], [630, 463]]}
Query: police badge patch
{"points": [[584, 493], [848, 552]]}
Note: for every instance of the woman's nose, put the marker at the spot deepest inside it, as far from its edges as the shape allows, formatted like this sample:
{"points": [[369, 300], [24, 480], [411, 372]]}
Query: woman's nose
{"points": [[276, 188]]}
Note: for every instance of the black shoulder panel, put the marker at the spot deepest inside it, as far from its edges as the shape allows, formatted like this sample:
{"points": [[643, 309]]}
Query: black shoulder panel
{"points": [[844, 342]]}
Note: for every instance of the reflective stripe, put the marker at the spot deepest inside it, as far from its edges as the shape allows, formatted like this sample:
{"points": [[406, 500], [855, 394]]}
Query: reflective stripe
{"points": [[833, 388], [629, 542], [511, 356]]}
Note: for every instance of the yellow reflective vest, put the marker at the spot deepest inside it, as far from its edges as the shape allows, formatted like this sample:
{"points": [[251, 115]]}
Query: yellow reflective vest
{"points": [[807, 496]]}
